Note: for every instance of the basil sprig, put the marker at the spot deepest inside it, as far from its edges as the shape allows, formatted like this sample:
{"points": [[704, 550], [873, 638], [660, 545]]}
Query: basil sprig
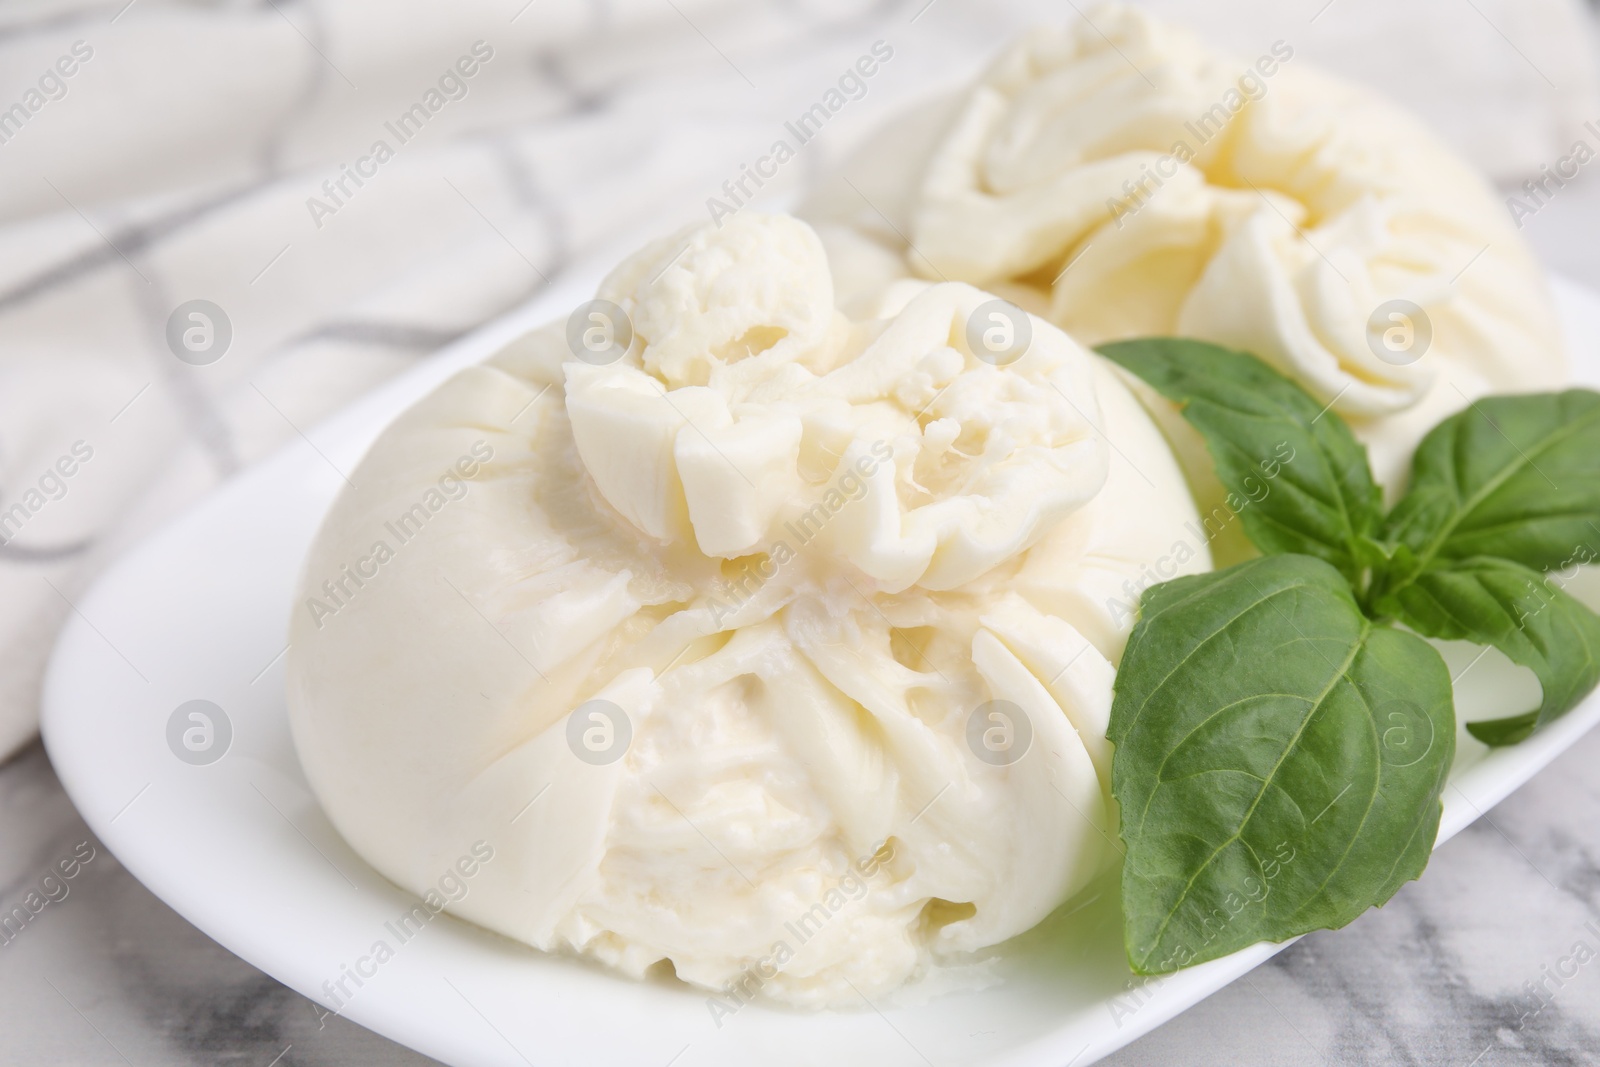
{"points": [[1282, 745]]}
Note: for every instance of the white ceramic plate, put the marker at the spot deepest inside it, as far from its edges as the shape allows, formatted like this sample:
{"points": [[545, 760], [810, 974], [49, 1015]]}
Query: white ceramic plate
{"points": [[240, 848]]}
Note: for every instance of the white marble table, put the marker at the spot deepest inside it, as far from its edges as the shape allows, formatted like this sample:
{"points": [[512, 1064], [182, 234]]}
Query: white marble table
{"points": [[1441, 976]]}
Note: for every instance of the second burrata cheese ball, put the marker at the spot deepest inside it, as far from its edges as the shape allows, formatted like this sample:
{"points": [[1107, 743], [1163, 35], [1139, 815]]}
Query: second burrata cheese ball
{"points": [[1126, 180]]}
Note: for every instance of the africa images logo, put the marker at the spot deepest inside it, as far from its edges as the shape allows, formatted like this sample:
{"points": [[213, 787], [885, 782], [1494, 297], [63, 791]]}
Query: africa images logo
{"points": [[451, 85], [404, 528]]}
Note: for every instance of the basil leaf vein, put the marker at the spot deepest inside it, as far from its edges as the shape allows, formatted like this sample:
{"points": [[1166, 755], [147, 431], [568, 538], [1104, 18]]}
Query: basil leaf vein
{"points": [[1320, 501], [1523, 614], [1517, 477]]}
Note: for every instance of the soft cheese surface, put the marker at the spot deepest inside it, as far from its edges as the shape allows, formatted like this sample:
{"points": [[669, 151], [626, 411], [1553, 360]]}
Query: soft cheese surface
{"points": [[1125, 180], [798, 552]]}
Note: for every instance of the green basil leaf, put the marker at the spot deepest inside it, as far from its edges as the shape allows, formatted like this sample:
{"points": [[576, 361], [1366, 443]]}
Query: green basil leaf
{"points": [[1523, 614], [1299, 476], [1516, 477], [1278, 763]]}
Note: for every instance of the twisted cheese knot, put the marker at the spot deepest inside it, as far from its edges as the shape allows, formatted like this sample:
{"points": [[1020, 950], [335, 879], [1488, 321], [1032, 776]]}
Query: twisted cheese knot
{"points": [[748, 413]]}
